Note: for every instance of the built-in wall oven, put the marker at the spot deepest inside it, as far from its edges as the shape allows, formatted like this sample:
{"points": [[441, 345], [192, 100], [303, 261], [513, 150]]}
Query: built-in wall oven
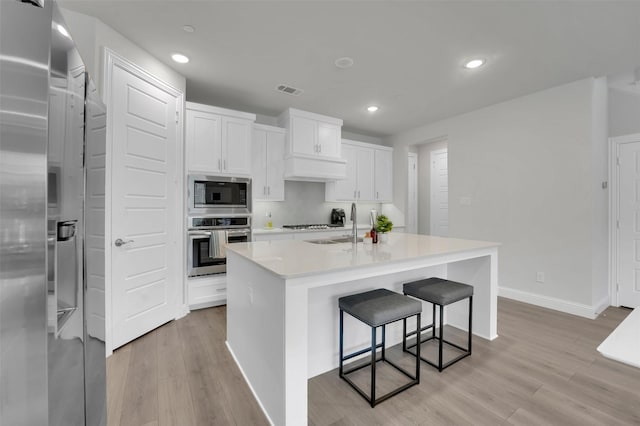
{"points": [[206, 238], [219, 195]]}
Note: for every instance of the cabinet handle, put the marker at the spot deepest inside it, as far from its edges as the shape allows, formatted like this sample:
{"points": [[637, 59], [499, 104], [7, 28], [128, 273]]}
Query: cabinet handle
{"points": [[377, 196], [225, 164], [219, 168]]}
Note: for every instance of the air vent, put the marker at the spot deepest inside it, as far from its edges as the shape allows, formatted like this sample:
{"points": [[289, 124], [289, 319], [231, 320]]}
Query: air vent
{"points": [[283, 88]]}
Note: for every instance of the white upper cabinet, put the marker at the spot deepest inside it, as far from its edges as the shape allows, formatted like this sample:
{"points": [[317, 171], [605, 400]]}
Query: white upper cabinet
{"points": [[218, 140], [369, 174], [312, 148], [383, 182], [267, 159]]}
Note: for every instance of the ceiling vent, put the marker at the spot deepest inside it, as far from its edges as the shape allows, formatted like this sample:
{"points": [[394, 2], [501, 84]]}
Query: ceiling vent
{"points": [[283, 88]]}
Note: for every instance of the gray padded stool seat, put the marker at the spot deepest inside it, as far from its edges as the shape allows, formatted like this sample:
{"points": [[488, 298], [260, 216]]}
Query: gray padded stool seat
{"points": [[377, 308], [440, 292]]}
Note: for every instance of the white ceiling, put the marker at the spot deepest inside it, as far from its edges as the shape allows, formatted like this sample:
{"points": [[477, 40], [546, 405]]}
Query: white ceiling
{"points": [[408, 55]]}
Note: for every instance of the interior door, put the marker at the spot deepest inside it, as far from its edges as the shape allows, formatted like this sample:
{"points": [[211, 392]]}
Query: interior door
{"points": [[412, 194], [439, 194], [145, 283], [629, 225]]}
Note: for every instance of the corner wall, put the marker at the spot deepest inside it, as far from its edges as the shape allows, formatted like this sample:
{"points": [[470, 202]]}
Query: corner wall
{"points": [[529, 166]]}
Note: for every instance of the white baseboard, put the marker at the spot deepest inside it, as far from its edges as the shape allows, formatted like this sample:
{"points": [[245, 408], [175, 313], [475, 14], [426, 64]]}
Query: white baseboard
{"points": [[248, 383], [556, 304]]}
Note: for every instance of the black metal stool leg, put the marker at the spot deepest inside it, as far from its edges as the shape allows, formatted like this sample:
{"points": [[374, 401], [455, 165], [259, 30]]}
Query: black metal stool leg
{"points": [[373, 367], [341, 341], [404, 335], [383, 341], [440, 338], [470, 320], [433, 321], [418, 326]]}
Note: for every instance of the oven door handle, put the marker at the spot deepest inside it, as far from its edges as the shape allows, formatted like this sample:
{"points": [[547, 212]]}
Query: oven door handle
{"points": [[240, 232], [199, 234]]}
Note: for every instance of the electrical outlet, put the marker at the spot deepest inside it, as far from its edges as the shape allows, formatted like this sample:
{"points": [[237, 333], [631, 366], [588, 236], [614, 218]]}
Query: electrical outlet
{"points": [[540, 277]]}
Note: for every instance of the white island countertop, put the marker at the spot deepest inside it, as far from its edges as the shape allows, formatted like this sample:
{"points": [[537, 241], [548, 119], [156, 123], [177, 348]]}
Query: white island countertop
{"points": [[293, 258]]}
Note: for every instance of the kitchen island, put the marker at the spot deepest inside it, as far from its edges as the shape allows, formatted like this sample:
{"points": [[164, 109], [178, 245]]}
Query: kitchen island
{"points": [[282, 298]]}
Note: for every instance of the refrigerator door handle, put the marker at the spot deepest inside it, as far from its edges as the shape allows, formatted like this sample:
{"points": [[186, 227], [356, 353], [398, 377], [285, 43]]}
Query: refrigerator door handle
{"points": [[67, 230]]}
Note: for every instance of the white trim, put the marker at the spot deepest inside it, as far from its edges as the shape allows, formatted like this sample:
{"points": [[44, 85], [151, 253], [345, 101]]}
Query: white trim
{"points": [[268, 128], [614, 184], [556, 304], [433, 189], [246, 380], [111, 60], [192, 106]]}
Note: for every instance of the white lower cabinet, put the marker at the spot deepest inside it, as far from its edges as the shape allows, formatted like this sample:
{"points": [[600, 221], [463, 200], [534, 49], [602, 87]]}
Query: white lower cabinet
{"points": [[206, 291]]}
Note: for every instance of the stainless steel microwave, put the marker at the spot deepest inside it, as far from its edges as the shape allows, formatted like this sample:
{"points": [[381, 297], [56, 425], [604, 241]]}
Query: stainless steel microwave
{"points": [[219, 195]]}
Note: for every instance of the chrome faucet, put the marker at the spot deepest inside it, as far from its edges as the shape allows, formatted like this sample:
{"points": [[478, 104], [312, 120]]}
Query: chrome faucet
{"points": [[354, 219]]}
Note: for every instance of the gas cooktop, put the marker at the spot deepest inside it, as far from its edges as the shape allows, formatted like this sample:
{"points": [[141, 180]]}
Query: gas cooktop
{"points": [[313, 226]]}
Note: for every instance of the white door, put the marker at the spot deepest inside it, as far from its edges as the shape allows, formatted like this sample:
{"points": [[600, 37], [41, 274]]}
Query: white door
{"points": [[629, 227], [412, 194], [144, 214], [439, 197]]}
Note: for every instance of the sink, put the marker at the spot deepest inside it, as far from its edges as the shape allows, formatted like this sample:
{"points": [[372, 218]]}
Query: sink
{"points": [[336, 240]]}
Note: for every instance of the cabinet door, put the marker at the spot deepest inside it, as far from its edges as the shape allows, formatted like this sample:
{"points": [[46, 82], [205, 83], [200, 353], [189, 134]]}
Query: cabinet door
{"points": [[259, 164], [203, 142], [275, 166], [236, 145], [303, 136], [365, 174], [345, 190], [383, 175], [329, 139]]}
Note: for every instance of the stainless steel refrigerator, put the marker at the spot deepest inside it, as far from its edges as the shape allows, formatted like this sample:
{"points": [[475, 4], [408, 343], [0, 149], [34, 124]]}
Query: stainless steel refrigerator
{"points": [[52, 168]]}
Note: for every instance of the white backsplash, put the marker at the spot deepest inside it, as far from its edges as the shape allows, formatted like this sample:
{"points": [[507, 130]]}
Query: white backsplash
{"points": [[304, 204]]}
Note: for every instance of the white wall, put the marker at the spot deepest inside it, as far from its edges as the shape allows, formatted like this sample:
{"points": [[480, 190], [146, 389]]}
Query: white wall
{"points": [[424, 184], [624, 113], [530, 167], [92, 36]]}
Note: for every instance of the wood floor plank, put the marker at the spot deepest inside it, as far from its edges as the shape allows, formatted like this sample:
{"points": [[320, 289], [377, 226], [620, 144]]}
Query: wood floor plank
{"points": [[140, 405], [117, 369], [543, 369]]}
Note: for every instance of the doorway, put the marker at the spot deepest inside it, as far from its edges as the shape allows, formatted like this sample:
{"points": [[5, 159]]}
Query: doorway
{"points": [[625, 220], [439, 193]]}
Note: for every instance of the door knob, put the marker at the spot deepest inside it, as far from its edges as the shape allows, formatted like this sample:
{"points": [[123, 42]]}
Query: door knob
{"points": [[119, 242]]}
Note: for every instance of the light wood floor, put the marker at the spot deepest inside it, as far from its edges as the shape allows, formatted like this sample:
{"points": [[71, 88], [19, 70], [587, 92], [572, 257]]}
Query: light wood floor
{"points": [[543, 369]]}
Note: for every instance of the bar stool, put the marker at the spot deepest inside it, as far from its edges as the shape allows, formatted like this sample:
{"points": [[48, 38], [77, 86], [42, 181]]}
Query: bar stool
{"points": [[377, 308], [439, 292]]}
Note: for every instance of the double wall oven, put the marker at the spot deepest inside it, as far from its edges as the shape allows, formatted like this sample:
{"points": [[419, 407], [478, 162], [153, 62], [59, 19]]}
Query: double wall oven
{"points": [[219, 213]]}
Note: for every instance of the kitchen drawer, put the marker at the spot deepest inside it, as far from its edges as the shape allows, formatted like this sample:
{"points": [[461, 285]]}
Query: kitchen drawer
{"points": [[207, 291]]}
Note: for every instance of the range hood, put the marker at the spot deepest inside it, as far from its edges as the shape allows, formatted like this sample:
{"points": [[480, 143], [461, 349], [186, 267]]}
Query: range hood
{"points": [[313, 169]]}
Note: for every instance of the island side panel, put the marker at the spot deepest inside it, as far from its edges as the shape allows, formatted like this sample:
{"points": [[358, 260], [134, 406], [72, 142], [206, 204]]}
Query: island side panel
{"points": [[482, 274], [296, 356], [255, 331]]}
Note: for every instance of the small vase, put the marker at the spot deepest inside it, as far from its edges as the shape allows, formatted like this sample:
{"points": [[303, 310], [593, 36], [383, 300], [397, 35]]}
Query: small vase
{"points": [[383, 237]]}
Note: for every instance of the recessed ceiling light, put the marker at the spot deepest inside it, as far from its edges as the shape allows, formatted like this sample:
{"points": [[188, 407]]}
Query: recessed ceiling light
{"points": [[179, 58], [474, 63], [345, 62], [189, 29], [372, 108], [62, 30]]}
